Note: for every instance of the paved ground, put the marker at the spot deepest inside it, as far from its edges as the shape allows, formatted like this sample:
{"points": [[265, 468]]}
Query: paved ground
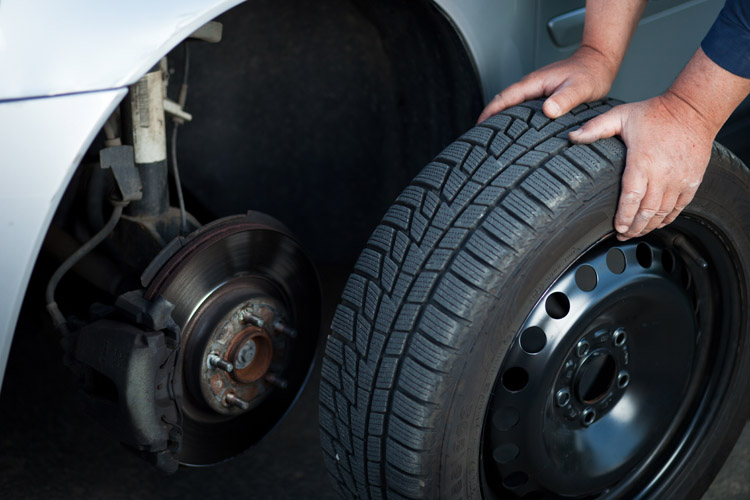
{"points": [[50, 450]]}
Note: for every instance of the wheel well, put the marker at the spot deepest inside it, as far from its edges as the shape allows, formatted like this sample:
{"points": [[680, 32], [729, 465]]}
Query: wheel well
{"points": [[320, 112]]}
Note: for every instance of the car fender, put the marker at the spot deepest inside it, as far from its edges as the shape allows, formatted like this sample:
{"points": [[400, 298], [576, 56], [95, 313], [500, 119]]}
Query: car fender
{"points": [[70, 66]]}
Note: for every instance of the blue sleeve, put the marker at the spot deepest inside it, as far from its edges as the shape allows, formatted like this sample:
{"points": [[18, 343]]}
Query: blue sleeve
{"points": [[728, 41]]}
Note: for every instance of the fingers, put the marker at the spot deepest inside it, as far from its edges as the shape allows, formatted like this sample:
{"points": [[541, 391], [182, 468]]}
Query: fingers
{"points": [[608, 124], [633, 193], [647, 202], [683, 201], [668, 201], [528, 88], [566, 97]]}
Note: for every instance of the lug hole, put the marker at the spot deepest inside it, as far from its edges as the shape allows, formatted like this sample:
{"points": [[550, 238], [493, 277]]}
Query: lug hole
{"points": [[562, 398], [616, 260], [557, 305], [620, 337], [505, 453], [623, 379], [588, 416], [533, 340], [644, 255], [515, 379], [586, 278], [583, 348], [515, 480]]}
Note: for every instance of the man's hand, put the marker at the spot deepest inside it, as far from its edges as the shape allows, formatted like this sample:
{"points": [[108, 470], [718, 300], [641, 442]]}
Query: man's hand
{"points": [[585, 76], [669, 146], [669, 142]]}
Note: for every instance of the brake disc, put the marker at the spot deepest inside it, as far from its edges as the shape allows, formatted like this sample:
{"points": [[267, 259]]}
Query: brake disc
{"points": [[247, 300]]}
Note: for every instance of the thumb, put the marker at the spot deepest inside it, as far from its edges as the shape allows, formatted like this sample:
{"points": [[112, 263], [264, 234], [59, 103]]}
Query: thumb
{"points": [[563, 99], [605, 125]]}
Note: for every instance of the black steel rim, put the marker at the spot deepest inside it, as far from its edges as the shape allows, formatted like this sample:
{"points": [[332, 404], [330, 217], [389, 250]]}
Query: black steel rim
{"points": [[618, 372]]}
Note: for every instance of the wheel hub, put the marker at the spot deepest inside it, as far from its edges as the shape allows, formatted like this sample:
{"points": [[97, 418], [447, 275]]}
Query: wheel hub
{"points": [[247, 301], [597, 374], [234, 374]]}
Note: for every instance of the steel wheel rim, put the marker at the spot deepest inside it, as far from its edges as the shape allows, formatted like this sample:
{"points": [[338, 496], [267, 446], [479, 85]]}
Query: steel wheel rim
{"points": [[593, 430]]}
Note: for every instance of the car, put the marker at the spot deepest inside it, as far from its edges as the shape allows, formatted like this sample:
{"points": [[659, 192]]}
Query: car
{"points": [[493, 339]]}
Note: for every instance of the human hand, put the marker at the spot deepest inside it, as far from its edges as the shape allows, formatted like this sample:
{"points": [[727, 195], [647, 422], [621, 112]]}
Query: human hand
{"points": [[669, 146], [585, 76]]}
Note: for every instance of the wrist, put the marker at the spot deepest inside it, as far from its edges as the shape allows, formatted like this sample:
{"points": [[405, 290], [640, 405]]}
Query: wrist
{"points": [[707, 93], [683, 111], [606, 66]]}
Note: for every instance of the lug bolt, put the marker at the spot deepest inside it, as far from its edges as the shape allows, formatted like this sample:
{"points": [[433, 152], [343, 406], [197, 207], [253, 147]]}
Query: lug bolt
{"points": [[249, 317], [583, 348], [620, 336], [285, 330], [233, 400], [588, 416], [562, 398], [216, 361], [276, 381], [623, 379]]}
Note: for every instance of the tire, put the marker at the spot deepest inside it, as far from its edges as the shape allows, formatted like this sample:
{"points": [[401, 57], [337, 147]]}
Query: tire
{"points": [[496, 341]]}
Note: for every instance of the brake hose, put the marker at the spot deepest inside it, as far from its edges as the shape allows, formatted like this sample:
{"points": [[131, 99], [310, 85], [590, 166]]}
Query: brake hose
{"points": [[57, 317]]}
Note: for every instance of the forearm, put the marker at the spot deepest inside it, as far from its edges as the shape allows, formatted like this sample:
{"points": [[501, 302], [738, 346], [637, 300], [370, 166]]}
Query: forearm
{"points": [[707, 92], [609, 26]]}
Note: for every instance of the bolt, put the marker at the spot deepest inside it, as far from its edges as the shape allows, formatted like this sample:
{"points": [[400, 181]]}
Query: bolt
{"points": [[216, 361], [588, 416], [285, 330], [623, 379], [248, 317], [583, 348], [276, 381], [562, 398], [620, 336], [233, 400]]}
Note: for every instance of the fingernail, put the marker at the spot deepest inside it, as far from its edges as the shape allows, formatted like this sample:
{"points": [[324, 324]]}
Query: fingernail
{"points": [[621, 228], [553, 108]]}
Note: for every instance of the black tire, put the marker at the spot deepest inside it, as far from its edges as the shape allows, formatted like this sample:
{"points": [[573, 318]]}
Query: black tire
{"points": [[467, 318]]}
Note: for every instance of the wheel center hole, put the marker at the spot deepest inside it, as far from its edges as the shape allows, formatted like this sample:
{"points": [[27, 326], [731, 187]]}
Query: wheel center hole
{"points": [[596, 376]]}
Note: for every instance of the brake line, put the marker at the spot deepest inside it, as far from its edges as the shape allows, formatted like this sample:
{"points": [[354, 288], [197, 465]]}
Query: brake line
{"points": [[57, 317]]}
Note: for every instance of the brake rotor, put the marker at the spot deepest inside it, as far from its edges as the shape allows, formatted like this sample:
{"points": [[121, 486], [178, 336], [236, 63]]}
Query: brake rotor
{"points": [[247, 300]]}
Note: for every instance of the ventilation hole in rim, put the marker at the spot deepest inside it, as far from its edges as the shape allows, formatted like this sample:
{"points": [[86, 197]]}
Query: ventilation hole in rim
{"points": [[644, 255], [505, 453], [515, 379], [515, 480], [557, 305], [687, 279], [533, 340], [668, 261], [506, 418], [586, 278], [616, 260]]}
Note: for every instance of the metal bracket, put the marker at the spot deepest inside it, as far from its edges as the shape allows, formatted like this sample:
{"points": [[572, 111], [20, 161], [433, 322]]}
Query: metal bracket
{"points": [[121, 160]]}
